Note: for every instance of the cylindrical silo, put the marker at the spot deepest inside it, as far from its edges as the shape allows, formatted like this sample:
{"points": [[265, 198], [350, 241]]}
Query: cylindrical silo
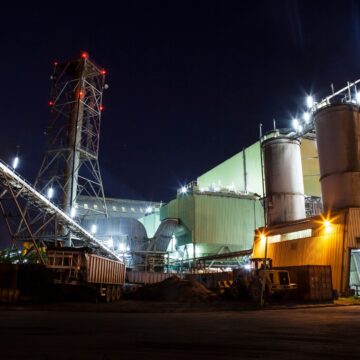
{"points": [[283, 180], [338, 139]]}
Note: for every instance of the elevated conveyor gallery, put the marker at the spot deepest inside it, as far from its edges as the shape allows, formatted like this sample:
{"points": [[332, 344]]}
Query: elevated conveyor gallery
{"points": [[30, 216]]}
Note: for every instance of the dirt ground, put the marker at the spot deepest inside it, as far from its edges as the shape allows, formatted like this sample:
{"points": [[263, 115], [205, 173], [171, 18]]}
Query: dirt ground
{"points": [[106, 331]]}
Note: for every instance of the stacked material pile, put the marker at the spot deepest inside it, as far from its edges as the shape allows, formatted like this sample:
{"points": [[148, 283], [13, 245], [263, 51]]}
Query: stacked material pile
{"points": [[175, 289]]}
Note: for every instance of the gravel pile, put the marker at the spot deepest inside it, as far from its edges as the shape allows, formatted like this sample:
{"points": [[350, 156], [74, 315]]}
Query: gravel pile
{"points": [[175, 289]]}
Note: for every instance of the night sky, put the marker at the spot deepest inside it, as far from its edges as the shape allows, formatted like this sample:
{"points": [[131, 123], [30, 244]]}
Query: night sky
{"points": [[189, 82]]}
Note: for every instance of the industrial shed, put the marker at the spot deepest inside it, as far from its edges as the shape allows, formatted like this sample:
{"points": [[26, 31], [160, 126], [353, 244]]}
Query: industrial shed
{"points": [[317, 241]]}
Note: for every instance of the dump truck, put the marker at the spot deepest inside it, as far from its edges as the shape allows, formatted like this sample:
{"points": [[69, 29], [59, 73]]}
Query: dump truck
{"points": [[79, 268], [248, 281]]}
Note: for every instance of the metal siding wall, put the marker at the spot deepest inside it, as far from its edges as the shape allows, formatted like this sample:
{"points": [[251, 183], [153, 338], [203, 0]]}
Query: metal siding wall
{"points": [[310, 166], [231, 172], [226, 220], [321, 249], [354, 227]]}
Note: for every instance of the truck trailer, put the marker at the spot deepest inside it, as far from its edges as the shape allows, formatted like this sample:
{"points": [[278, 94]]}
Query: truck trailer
{"points": [[85, 270]]}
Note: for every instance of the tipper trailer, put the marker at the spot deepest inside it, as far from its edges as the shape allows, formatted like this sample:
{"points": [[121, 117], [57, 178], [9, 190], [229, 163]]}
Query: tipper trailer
{"points": [[76, 267]]}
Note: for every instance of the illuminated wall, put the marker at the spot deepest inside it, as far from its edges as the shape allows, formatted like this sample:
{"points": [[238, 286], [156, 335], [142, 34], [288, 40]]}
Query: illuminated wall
{"points": [[214, 220], [323, 246], [231, 172]]}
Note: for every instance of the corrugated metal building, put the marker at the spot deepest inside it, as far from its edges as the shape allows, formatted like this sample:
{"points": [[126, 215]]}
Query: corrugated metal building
{"points": [[211, 223], [242, 172], [315, 241]]}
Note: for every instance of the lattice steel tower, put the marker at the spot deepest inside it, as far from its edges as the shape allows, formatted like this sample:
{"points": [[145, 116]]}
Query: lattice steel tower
{"points": [[70, 168]]}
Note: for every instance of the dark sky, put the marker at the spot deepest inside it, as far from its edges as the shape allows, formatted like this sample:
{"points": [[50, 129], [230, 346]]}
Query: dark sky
{"points": [[189, 81]]}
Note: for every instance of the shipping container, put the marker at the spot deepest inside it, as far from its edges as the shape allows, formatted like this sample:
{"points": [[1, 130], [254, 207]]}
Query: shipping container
{"points": [[314, 282], [82, 269]]}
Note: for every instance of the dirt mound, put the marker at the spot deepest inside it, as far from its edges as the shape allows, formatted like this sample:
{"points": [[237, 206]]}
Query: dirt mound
{"points": [[175, 289]]}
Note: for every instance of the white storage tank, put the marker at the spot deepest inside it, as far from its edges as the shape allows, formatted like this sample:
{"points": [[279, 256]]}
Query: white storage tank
{"points": [[338, 139], [283, 180]]}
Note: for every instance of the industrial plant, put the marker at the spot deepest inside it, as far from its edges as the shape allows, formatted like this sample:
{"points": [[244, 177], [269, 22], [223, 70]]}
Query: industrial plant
{"points": [[292, 197]]}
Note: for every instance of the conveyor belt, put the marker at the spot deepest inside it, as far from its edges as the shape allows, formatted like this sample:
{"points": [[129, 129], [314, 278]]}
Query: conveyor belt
{"points": [[9, 178]]}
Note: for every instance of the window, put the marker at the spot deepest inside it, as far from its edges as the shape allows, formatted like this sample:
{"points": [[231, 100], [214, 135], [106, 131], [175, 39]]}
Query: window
{"points": [[274, 239], [95, 206], [297, 235], [123, 209], [86, 206], [132, 210], [290, 236], [114, 208]]}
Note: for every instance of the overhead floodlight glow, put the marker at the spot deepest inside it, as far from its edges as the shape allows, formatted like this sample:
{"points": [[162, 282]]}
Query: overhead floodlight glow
{"points": [[295, 124], [309, 101], [122, 247], [306, 117], [15, 163], [109, 242], [358, 97], [300, 129], [93, 228], [50, 192], [183, 190], [149, 210], [72, 212]]}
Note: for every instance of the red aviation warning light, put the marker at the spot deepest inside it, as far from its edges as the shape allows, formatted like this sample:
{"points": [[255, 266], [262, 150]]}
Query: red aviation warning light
{"points": [[101, 108], [103, 72], [51, 103], [84, 55]]}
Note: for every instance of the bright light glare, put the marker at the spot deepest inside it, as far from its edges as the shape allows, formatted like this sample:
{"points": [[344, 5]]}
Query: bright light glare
{"points": [[295, 124], [327, 225], [262, 237], [247, 266], [109, 242], [15, 163], [122, 247], [72, 212], [183, 190], [358, 97], [306, 117], [93, 228], [149, 210], [309, 101], [300, 128], [50, 192]]}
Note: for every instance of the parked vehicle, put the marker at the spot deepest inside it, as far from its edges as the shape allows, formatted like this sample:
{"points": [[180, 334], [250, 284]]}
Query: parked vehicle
{"points": [[248, 281], [77, 267]]}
